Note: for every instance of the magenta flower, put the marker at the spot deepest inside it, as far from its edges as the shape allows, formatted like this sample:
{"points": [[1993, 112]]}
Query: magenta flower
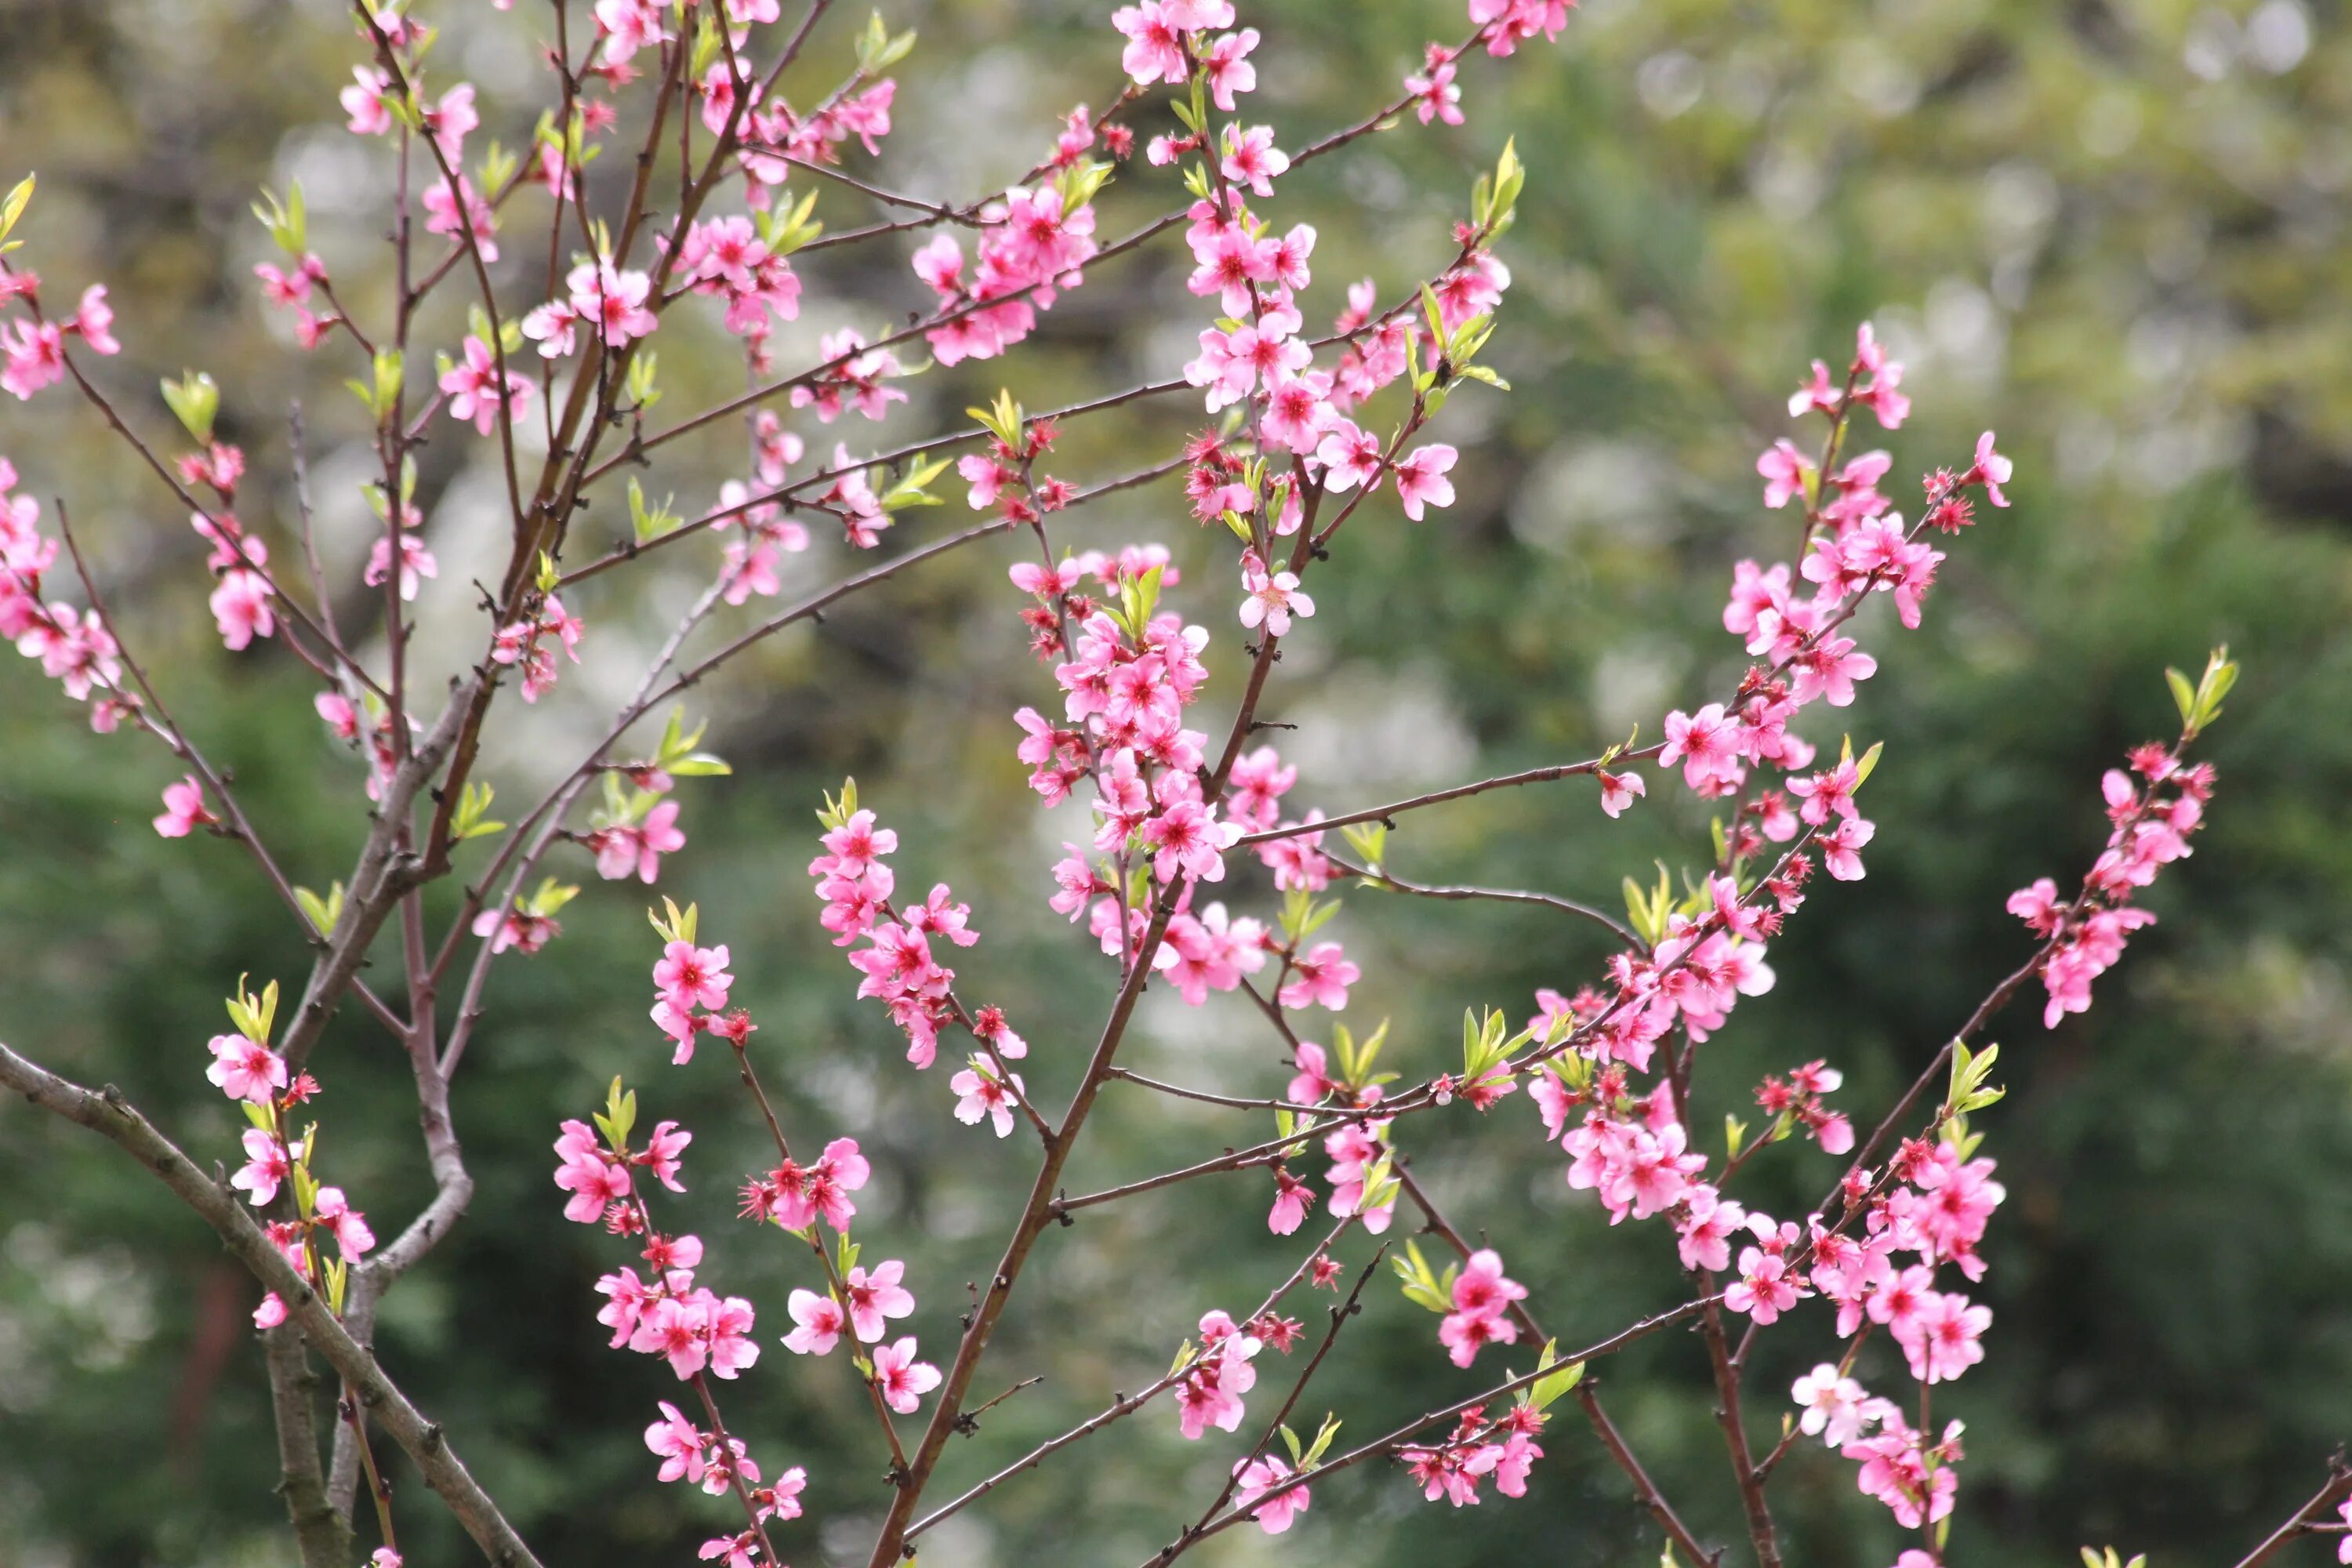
{"points": [[1321, 977], [245, 1069], [1420, 478], [691, 976], [821, 1323], [902, 1380], [242, 610], [184, 811], [679, 1444], [266, 1165], [984, 1095], [678, 1331], [1259, 1477], [876, 1297]]}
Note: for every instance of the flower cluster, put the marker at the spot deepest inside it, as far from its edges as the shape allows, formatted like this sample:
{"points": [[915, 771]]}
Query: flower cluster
{"points": [[1854, 545], [531, 642], [1208, 1391], [1478, 1449], [896, 961], [33, 347], [75, 646], [2153, 819], [691, 985], [1481, 1298], [246, 1069]]}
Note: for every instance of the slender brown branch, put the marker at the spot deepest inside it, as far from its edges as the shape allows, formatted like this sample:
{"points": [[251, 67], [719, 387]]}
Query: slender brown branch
{"points": [[1459, 792], [107, 1114], [1383, 878], [1204, 1096], [2304, 1519]]}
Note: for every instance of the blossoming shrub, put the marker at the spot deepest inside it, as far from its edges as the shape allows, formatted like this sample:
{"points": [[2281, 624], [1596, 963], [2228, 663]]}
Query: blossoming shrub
{"points": [[536, 284]]}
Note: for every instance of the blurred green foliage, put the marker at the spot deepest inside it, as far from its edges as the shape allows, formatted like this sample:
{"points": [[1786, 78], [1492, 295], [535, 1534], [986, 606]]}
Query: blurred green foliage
{"points": [[2113, 229]]}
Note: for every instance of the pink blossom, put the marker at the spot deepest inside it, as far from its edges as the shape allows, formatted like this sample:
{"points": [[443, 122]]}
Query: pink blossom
{"points": [[821, 1320], [902, 1380], [1252, 159], [1272, 599], [1420, 478], [1786, 473], [1832, 1405], [241, 609], [353, 1236], [416, 563], [613, 301], [365, 102], [245, 1069], [1841, 848], [184, 809], [1257, 1478], [1292, 1199], [266, 1165], [1618, 790], [1155, 48], [94, 319], [1940, 1340], [473, 382], [983, 1094], [1706, 744], [1482, 1298], [677, 1330], [1990, 471], [875, 1297], [1764, 1290], [729, 1330], [1321, 977], [677, 1443], [36, 355], [463, 212], [693, 976], [1436, 95]]}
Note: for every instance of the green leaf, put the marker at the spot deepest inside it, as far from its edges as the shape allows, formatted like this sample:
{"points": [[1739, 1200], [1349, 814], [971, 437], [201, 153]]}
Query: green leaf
{"points": [[1368, 840], [2184, 697], [194, 398], [325, 913], [644, 369], [287, 221], [914, 488], [1545, 1390], [1323, 1435], [1420, 1284], [468, 822], [550, 897], [678, 925], [649, 522], [897, 49], [621, 1113], [12, 207]]}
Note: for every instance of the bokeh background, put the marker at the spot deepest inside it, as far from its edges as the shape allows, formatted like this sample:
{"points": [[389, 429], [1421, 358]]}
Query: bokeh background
{"points": [[2114, 230]]}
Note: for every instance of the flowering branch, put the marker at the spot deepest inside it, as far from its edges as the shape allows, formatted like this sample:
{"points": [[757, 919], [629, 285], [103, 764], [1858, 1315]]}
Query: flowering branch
{"points": [[107, 1113]]}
